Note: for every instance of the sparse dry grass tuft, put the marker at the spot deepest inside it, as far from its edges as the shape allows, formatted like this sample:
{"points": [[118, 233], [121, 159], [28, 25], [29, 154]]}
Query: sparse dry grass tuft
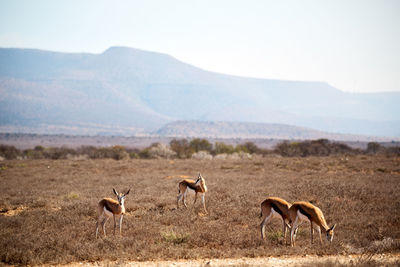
{"points": [[54, 205], [175, 238]]}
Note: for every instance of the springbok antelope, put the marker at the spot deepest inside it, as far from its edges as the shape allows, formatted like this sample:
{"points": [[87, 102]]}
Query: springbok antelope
{"points": [[199, 186], [305, 211], [274, 207], [109, 207]]}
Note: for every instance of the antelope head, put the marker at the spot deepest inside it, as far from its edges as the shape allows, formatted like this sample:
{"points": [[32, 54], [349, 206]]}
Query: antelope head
{"points": [[120, 196], [329, 233]]}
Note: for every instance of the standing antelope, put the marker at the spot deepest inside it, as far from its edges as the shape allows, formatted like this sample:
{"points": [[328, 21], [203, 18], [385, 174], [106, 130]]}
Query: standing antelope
{"points": [[274, 207], [199, 186], [109, 207], [305, 211]]}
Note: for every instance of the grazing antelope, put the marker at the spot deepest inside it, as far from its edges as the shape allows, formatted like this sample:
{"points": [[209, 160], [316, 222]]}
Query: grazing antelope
{"points": [[305, 211], [199, 186], [109, 207], [274, 207]]}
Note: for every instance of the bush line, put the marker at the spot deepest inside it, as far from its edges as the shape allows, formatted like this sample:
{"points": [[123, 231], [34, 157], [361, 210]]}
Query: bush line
{"points": [[196, 148]]}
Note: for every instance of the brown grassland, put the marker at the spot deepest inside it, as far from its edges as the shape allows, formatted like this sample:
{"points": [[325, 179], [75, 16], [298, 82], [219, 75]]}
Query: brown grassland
{"points": [[48, 208]]}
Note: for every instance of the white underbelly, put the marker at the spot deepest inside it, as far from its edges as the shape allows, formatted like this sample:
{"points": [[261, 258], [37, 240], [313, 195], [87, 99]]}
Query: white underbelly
{"points": [[275, 214], [302, 217], [107, 213]]}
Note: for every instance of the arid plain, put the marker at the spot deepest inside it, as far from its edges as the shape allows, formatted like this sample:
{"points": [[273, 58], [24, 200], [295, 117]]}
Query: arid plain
{"points": [[48, 208]]}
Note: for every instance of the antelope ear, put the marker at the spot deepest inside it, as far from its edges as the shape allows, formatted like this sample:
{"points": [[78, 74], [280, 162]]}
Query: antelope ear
{"points": [[115, 191], [333, 227], [127, 192], [199, 175]]}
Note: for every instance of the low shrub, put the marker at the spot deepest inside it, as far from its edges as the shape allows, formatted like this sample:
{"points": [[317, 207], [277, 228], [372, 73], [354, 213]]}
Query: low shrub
{"points": [[9, 152], [182, 148], [33, 154], [222, 148], [198, 144], [58, 152], [145, 153], [248, 147], [119, 153], [161, 151], [202, 155]]}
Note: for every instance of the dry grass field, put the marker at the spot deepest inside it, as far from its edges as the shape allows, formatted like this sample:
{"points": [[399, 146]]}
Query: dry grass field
{"points": [[48, 208]]}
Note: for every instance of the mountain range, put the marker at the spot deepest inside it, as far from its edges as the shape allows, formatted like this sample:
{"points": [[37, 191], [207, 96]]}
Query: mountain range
{"points": [[129, 91]]}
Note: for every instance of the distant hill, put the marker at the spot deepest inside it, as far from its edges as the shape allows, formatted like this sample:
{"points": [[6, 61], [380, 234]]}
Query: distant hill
{"points": [[128, 91], [248, 130]]}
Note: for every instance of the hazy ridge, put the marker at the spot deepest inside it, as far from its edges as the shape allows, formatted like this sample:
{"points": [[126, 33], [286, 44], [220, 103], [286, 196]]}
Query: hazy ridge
{"points": [[126, 91], [190, 129]]}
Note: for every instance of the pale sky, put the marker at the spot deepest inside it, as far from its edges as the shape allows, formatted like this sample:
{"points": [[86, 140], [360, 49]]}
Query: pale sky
{"points": [[354, 45]]}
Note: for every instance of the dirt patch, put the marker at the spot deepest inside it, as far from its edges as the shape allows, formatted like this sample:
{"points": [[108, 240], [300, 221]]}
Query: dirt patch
{"points": [[178, 177], [13, 211], [308, 260]]}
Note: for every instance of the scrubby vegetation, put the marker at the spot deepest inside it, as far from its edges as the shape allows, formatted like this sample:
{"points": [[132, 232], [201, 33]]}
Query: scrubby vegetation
{"points": [[196, 148], [321, 147]]}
